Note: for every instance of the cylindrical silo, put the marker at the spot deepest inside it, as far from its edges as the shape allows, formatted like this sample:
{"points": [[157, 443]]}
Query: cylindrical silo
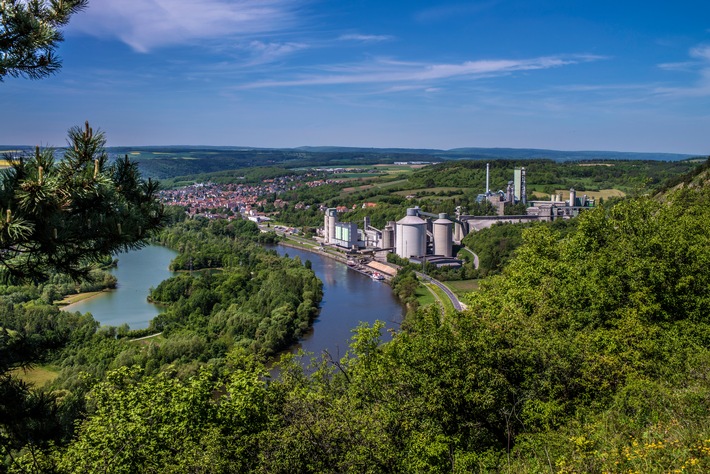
{"points": [[411, 235], [443, 238], [459, 233], [333, 213], [388, 237], [393, 225], [572, 197]]}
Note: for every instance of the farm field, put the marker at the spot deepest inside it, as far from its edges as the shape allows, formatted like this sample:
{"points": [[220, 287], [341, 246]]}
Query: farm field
{"points": [[383, 186], [380, 168], [440, 189], [397, 169], [147, 155]]}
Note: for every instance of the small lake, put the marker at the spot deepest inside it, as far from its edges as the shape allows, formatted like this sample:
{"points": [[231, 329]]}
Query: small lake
{"points": [[137, 272]]}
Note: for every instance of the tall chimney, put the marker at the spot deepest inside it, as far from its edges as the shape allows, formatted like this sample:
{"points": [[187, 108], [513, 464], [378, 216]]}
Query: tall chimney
{"points": [[488, 176]]}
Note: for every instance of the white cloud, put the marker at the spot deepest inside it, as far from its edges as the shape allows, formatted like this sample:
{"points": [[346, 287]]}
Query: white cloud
{"points": [[682, 66], [270, 51], [386, 71], [365, 38], [148, 24], [701, 52], [701, 65]]}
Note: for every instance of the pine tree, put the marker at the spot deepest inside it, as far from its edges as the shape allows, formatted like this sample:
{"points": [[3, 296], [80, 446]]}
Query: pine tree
{"points": [[65, 214], [30, 33]]}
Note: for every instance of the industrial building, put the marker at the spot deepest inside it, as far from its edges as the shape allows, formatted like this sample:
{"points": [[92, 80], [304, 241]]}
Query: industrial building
{"points": [[515, 192], [424, 237], [556, 207], [410, 236], [418, 234]]}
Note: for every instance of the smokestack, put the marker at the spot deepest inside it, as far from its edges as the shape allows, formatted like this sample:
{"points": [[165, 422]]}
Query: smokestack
{"points": [[488, 176]]}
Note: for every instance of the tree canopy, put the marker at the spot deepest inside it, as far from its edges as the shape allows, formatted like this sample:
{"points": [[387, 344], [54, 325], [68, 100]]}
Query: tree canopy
{"points": [[30, 33], [64, 214]]}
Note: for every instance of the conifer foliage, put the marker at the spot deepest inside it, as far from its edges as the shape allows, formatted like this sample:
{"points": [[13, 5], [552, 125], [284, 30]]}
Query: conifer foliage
{"points": [[64, 214], [30, 33]]}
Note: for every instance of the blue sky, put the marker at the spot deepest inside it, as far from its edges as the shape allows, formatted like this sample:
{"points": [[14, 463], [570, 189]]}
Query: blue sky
{"points": [[570, 75]]}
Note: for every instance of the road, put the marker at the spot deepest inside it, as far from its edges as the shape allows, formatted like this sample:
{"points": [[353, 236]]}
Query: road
{"points": [[454, 300], [475, 257]]}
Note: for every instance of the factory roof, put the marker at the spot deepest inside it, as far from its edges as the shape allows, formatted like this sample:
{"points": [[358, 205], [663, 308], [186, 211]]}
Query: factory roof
{"points": [[443, 221], [411, 220], [383, 268]]}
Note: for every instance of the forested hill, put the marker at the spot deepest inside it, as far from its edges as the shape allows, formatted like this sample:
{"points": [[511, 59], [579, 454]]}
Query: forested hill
{"points": [[164, 162], [697, 177], [168, 162], [472, 153], [558, 155], [541, 174], [589, 353]]}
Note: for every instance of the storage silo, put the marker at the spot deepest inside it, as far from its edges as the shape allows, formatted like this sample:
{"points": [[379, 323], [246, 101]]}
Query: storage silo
{"points": [[388, 236], [460, 231], [443, 238], [332, 214], [411, 235]]}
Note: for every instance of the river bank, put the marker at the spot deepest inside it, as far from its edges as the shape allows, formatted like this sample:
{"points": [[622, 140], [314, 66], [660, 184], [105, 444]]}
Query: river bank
{"points": [[69, 301], [327, 253]]}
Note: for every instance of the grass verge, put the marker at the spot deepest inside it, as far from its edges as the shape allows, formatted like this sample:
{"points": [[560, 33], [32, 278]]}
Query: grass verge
{"points": [[424, 296], [462, 287]]}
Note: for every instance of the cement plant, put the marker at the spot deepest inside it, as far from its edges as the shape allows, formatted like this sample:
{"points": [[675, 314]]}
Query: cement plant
{"points": [[423, 237]]}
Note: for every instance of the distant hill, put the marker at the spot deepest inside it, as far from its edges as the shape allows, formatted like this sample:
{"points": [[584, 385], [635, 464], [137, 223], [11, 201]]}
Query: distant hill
{"points": [[698, 177], [164, 162], [345, 149], [558, 155], [512, 153]]}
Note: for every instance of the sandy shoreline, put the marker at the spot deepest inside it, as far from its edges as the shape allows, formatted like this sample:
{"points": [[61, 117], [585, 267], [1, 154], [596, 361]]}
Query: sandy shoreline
{"points": [[68, 302]]}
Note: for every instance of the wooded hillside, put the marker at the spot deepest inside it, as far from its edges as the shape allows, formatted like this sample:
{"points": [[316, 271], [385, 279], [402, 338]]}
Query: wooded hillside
{"points": [[589, 353]]}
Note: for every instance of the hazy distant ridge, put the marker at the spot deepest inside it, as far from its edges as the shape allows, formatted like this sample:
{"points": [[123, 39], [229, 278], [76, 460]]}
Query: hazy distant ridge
{"points": [[452, 154], [509, 153]]}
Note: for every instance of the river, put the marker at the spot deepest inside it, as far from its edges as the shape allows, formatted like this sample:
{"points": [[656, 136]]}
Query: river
{"points": [[349, 298]]}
